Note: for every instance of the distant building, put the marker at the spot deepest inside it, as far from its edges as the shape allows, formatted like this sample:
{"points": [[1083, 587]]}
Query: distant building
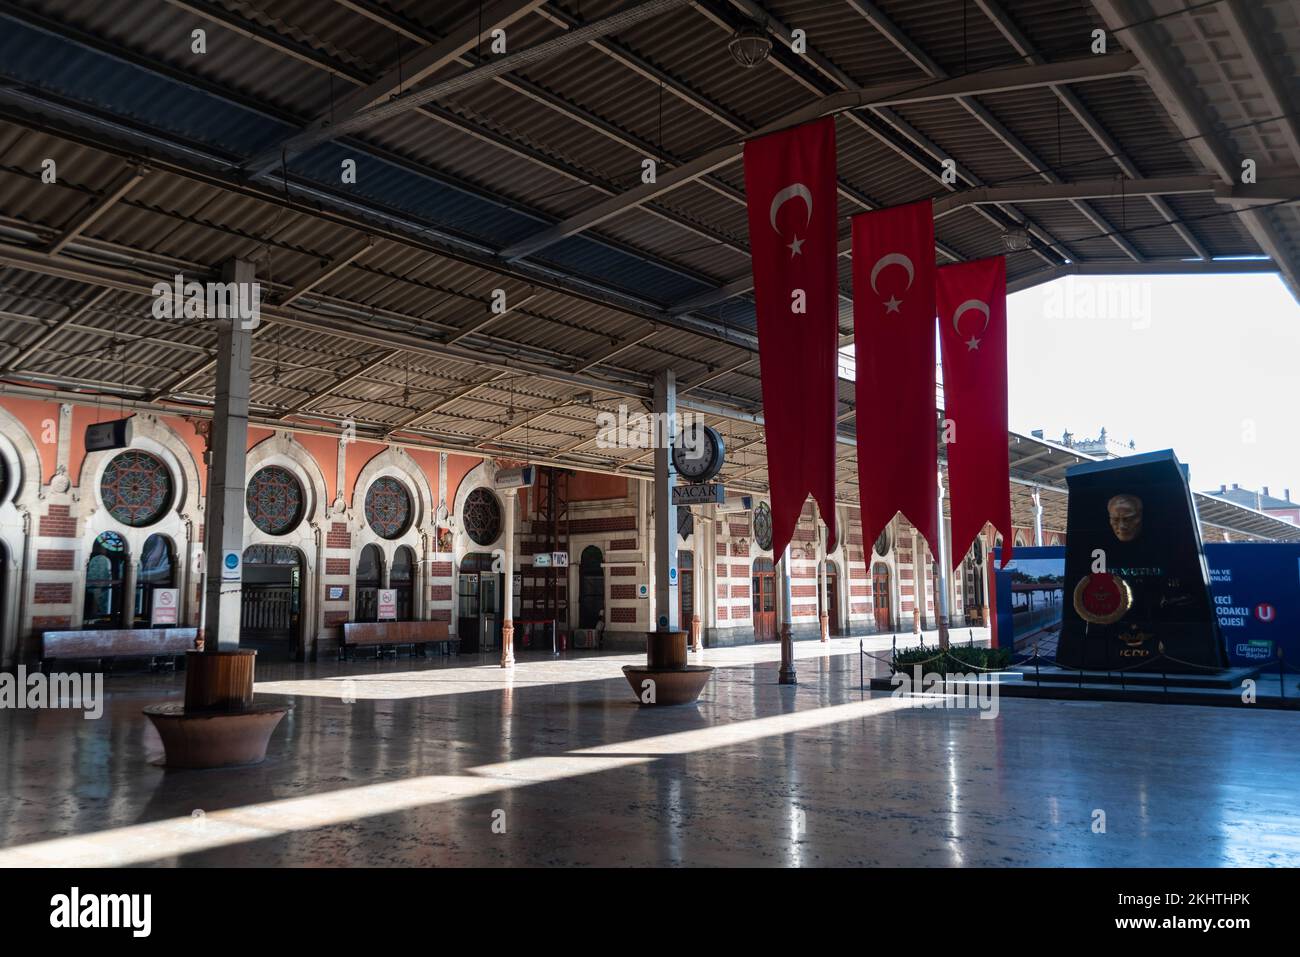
{"points": [[1102, 447], [1262, 501]]}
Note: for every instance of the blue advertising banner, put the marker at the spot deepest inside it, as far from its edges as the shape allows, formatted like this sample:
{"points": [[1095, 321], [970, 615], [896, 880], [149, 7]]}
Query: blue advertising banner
{"points": [[1256, 590], [1255, 587]]}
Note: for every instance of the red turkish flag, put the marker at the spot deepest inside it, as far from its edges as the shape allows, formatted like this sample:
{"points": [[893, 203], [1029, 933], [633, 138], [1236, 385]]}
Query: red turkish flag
{"points": [[893, 327], [972, 300], [791, 196]]}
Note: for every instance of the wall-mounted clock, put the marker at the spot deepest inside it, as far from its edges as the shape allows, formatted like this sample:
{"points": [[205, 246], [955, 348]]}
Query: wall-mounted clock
{"points": [[698, 453]]}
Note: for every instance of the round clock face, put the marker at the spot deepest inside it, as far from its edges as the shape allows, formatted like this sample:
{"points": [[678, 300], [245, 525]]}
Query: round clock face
{"points": [[697, 455]]}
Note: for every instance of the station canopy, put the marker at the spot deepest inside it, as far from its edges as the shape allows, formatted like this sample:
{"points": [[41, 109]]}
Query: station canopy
{"points": [[514, 176]]}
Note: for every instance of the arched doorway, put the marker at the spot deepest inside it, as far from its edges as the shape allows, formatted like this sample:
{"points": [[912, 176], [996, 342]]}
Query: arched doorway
{"points": [[763, 595], [880, 597], [591, 587], [270, 620], [973, 584], [157, 570], [686, 586], [370, 578], [402, 580], [478, 611], [832, 609], [105, 600]]}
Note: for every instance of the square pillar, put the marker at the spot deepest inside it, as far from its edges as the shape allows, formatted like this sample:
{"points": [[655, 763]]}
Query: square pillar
{"points": [[224, 513], [667, 608]]}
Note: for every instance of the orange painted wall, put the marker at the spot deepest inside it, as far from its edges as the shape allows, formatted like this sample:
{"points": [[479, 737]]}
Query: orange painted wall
{"points": [[192, 439], [256, 434], [458, 466], [325, 450], [32, 413], [592, 486], [428, 462], [359, 453]]}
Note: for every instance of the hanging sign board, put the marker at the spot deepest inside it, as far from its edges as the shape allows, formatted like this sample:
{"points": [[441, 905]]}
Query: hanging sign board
{"points": [[560, 559], [706, 493], [514, 478], [542, 560], [166, 606], [108, 435], [387, 604]]}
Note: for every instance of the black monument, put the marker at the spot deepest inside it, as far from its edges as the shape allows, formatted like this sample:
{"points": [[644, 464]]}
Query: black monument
{"points": [[1135, 573]]}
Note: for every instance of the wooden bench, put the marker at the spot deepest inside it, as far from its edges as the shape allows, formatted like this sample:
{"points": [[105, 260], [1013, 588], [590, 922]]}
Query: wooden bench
{"points": [[107, 644], [391, 634]]}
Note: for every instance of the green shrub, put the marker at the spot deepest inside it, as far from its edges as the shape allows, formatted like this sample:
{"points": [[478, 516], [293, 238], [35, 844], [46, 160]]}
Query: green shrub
{"points": [[959, 658]]}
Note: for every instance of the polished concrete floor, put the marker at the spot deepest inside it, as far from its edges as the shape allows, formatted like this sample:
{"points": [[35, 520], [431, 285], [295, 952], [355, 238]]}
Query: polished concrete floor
{"points": [[457, 762]]}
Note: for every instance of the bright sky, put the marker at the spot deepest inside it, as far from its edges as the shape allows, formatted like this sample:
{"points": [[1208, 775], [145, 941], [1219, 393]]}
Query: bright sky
{"points": [[1206, 365]]}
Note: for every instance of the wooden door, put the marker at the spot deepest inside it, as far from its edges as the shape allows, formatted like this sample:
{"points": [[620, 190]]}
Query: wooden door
{"points": [[832, 600], [763, 594], [881, 598]]}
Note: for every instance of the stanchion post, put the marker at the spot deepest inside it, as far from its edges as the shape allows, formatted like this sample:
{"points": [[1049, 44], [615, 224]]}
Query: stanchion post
{"points": [[862, 674]]}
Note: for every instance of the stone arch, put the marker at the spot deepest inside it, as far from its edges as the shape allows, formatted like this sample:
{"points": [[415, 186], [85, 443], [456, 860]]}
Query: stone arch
{"points": [[179, 523], [18, 498], [308, 537], [396, 463], [481, 476]]}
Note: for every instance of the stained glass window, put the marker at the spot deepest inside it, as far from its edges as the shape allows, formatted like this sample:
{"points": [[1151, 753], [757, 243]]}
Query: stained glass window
{"points": [[136, 488], [763, 527], [274, 500], [482, 518], [883, 543], [388, 507]]}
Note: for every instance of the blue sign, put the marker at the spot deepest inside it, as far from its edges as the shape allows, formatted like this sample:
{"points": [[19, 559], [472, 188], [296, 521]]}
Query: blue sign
{"points": [[232, 561], [1255, 587], [1256, 592]]}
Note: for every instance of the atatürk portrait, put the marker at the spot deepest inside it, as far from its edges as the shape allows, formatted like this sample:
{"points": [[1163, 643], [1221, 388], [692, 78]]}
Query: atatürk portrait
{"points": [[1125, 517]]}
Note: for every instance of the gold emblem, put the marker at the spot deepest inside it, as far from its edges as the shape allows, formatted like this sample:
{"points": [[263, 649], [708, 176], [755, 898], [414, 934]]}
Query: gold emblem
{"points": [[1102, 599]]}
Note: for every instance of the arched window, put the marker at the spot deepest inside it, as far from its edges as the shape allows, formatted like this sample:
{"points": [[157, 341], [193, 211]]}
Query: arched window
{"points": [[136, 488], [370, 578], [402, 580], [591, 587], [763, 527], [388, 507], [275, 500], [105, 574], [482, 517], [157, 570]]}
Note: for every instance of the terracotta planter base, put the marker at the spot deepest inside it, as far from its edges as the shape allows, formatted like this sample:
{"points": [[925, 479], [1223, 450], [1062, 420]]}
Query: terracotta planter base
{"points": [[215, 739], [672, 685]]}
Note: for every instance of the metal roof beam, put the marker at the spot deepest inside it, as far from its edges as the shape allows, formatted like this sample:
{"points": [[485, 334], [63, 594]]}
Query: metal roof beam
{"points": [[1181, 101], [97, 208], [882, 94], [1152, 267], [357, 119], [887, 28], [349, 114], [334, 266], [24, 353], [363, 367], [1090, 123], [1236, 17]]}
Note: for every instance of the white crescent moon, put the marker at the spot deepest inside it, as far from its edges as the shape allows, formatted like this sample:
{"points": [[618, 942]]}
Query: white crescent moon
{"points": [[893, 259], [790, 192], [979, 304]]}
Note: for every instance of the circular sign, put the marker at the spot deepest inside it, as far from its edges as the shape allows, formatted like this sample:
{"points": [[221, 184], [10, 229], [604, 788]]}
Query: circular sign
{"points": [[232, 561], [1102, 599], [1265, 612], [165, 597], [663, 621]]}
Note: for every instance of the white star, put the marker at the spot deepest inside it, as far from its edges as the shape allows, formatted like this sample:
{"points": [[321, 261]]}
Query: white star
{"points": [[972, 344], [796, 247], [892, 304]]}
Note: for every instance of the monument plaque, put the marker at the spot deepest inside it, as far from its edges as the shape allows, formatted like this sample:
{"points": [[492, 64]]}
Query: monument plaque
{"points": [[1135, 572]]}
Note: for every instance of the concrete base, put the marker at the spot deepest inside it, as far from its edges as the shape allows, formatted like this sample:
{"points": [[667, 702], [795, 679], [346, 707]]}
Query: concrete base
{"points": [[671, 685], [215, 739]]}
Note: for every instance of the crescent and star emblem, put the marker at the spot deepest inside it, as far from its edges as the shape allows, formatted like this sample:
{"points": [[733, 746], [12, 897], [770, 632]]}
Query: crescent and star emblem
{"points": [[793, 191], [972, 343], [884, 262]]}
